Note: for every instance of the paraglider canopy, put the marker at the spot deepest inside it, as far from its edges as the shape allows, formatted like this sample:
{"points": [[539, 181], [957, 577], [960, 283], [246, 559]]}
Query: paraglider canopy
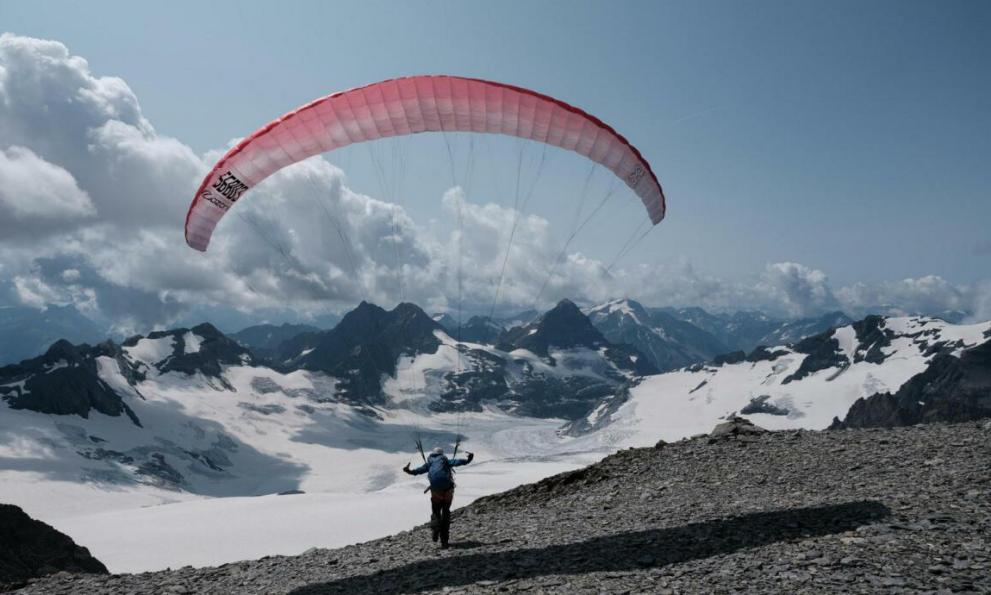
{"points": [[406, 106]]}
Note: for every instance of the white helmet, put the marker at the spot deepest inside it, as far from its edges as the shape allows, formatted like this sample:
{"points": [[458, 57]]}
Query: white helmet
{"points": [[437, 451]]}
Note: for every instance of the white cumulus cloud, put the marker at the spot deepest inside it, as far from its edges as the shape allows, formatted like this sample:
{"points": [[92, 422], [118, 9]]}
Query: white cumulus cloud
{"points": [[37, 196], [95, 200]]}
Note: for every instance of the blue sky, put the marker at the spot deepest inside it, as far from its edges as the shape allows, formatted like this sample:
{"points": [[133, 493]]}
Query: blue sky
{"points": [[851, 137]]}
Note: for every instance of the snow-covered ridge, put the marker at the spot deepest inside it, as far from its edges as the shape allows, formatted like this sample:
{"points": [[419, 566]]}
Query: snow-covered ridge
{"points": [[805, 385], [621, 306]]}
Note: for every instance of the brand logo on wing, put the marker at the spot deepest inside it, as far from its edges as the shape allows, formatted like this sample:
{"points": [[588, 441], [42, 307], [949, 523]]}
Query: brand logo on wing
{"points": [[227, 186], [635, 176]]}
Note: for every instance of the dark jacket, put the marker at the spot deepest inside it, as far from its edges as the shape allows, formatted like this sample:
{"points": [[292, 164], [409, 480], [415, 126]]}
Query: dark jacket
{"points": [[438, 470]]}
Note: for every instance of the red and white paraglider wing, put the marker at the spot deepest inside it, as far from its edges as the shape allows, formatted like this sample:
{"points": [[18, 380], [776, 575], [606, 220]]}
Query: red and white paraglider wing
{"points": [[408, 106]]}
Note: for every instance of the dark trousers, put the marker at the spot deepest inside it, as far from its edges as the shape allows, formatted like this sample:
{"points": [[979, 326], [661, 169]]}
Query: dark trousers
{"points": [[440, 513]]}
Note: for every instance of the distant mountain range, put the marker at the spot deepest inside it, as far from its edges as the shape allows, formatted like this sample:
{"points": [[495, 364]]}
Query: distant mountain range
{"points": [[183, 409], [667, 341], [743, 331], [265, 339]]}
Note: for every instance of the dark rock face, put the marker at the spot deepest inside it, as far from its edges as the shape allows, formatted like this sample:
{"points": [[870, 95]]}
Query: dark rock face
{"points": [[951, 389], [823, 352], [761, 405], [564, 327], [365, 345], [600, 414], [517, 386], [31, 549], [872, 337], [761, 354], [483, 381], [567, 398], [65, 381], [734, 357], [215, 351]]}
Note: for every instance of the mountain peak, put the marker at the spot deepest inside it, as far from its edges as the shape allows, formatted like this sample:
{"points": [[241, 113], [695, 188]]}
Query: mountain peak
{"points": [[563, 326], [410, 310], [565, 309], [363, 347], [620, 307], [207, 330], [62, 349]]}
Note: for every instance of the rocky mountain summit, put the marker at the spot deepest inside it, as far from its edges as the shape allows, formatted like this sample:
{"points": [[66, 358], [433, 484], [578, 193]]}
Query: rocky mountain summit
{"points": [[363, 347], [904, 510], [65, 381], [566, 327], [72, 379]]}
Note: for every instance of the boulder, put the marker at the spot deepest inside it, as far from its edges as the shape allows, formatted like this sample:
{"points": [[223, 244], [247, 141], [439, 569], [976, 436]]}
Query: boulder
{"points": [[734, 427]]}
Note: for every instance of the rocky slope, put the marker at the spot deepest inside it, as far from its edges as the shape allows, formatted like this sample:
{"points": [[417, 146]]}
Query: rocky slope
{"points": [[30, 549], [904, 510]]}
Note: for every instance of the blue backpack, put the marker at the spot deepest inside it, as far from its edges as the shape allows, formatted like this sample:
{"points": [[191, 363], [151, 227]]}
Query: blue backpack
{"points": [[440, 473]]}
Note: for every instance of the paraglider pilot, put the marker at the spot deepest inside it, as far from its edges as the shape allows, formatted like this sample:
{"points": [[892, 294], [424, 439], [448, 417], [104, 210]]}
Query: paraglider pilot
{"points": [[439, 470]]}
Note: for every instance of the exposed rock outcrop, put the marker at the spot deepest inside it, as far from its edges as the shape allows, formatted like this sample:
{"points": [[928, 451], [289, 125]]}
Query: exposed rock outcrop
{"points": [[823, 352], [31, 549], [66, 381], [951, 390], [363, 347]]}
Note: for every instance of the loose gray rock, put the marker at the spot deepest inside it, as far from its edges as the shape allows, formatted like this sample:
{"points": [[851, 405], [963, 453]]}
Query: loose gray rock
{"points": [[853, 511]]}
